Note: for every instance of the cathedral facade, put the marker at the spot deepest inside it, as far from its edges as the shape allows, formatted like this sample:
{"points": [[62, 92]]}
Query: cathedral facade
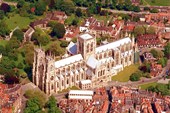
{"points": [[86, 62]]}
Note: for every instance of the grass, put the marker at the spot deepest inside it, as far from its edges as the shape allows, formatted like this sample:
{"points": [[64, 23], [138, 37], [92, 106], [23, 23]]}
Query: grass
{"points": [[17, 20], [124, 75], [157, 2], [145, 86], [70, 19], [102, 18], [3, 42], [70, 88]]}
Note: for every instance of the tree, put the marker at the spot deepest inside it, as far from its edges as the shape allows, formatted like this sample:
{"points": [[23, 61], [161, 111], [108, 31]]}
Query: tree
{"points": [[139, 30], [67, 6], [146, 9], [79, 12], [163, 61], [75, 22], [154, 10], [18, 34], [58, 30], [4, 30], [64, 43], [167, 50], [40, 7], [136, 9], [51, 24], [135, 77], [163, 89], [55, 49], [40, 37], [32, 106], [20, 3], [5, 7], [150, 30], [52, 106], [2, 14], [157, 53]]}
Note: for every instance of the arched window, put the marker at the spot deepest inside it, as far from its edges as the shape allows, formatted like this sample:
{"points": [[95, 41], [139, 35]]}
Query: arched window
{"points": [[72, 79], [100, 57], [105, 55], [91, 46], [82, 76], [52, 86], [67, 80], [62, 82], [77, 78]]}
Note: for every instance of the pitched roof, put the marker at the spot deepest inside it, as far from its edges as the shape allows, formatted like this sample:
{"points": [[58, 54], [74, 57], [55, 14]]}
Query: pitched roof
{"points": [[68, 60], [113, 45], [72, 48]]}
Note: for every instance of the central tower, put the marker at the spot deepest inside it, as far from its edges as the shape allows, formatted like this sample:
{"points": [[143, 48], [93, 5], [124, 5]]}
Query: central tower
{"points": [[86, 45]]}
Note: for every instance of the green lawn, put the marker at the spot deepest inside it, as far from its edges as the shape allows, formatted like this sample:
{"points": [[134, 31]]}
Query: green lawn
{"points": [[145, 86], [17, 20], [71, 88], [157, 2], [124, 75], [3, 42]]}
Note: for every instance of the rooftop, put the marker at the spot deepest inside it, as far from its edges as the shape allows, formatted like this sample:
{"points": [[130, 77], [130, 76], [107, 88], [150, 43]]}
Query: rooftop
{"points": [[86, 36], [68, 60]]}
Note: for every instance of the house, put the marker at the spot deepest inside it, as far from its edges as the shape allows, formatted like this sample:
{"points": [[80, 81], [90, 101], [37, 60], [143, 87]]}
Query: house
{"points": [[28, 34], [99, 28], [148, 41], [10, 96], [148, 57], [155, 69]]}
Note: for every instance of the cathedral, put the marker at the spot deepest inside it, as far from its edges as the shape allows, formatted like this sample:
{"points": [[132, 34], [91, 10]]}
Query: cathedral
{"points": [[85, 62]]}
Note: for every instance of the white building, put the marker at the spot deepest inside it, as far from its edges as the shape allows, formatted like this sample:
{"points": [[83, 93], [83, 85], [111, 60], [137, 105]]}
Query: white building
{"points": [[80, 94]]}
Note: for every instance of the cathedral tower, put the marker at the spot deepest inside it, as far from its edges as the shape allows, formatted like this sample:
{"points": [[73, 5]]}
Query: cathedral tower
{"points": [[39, 68], [86, 45]]}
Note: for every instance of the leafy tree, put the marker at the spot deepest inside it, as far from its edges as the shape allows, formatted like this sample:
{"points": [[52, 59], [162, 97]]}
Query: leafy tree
{"points": [[51, 105], [39, 95], [163, 89], [28, 51], [154, 10], [139, 30], [12, 44], [135, 77], [5, 7], [40, 7], [2, 14], [20, 3], [157, 53], [55, 49], [146, 9], [4, 30], [136, 9], [162, 61], [67, 6], [32, 106], [75, 22], [2, 49], [58, 30], [40, 37], [167, 50], [79, 12], [52, 24], [18, 34], [150, 30], [64, 43], [20, 66]]}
